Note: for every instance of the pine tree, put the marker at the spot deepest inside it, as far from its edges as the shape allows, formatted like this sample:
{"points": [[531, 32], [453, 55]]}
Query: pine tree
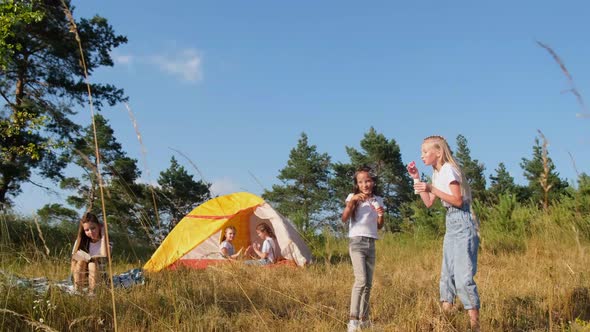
{"points": [[303, 194], [472, 169], [41, 81], [179, 193], [501, 183], [119, 174], [541, 175], [394, 183], [54, 213], [12, 13]]}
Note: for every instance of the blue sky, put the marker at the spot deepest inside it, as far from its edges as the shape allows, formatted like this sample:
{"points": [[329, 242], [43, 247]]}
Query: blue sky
{"points": [[233, 84]]}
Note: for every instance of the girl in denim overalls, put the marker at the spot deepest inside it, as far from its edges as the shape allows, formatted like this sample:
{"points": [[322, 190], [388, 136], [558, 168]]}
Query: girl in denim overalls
{"points": [[364, 211], [461, 239]]}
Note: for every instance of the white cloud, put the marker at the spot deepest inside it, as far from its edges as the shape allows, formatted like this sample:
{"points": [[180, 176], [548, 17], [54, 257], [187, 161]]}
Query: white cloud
{"points": [[224, 186], [123, 59], [187, 64]]}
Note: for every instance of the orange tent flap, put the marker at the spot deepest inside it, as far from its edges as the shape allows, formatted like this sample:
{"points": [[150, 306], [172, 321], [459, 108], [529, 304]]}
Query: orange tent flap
{"points": [[199, 225]]}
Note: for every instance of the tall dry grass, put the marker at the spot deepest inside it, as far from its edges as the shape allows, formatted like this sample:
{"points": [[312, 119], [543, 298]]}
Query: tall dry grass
{"points": [[543, 287]]}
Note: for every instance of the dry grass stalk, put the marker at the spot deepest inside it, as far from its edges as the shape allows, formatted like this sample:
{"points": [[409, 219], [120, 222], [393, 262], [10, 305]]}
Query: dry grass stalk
{"points": [[93, 170], [544, 180], [257, 181], [237, 276], [198, 171], [149, 314], [252, 304], [191, 162], [581, 249], [574, 163], [4, 234], [41, 236], [74, 30], [83, 319], [145, 165], [33, 236], [144, 220], [32, 323], [569, 77]]}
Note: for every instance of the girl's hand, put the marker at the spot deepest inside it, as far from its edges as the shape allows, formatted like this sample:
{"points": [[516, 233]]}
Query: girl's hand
{"points": [[256, 246], [413, 170], [380, 211], [421, 187], [358, 198]]}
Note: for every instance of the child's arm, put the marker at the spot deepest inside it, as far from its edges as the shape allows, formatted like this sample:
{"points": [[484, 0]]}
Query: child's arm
{"points": [[351, 206], [81, 255], [429, 193], [258, 252], [420, 187], [237, 254], [455, 198], [380, 221], [249, 251], [426, 194]]}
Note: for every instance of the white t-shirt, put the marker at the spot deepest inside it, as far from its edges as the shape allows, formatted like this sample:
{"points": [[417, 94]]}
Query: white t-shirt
{"points": [[443, 178], [94, 248], [228, 246], [269, 247], [363, 222]]}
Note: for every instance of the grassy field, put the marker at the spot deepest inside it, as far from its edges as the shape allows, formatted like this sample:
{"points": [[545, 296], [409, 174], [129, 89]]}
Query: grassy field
{"points": [[540, 284]]}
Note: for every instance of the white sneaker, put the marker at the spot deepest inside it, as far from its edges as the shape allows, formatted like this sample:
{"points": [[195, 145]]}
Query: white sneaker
{"points": [[366, 324], [354, 325]]}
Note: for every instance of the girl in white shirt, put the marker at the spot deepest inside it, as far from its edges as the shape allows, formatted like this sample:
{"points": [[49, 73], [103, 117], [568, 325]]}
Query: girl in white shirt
{"points": [[269, 253], [226, 247], [91, 240], [364, 213], [461, 241]]}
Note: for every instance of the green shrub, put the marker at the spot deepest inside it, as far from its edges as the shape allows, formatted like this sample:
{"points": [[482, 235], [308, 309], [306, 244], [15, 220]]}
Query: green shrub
{"points": [[22, 234], [506, 225]]}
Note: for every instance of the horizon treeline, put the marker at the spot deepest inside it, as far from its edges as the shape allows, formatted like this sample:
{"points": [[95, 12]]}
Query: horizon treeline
{"points": [[310, 191]]}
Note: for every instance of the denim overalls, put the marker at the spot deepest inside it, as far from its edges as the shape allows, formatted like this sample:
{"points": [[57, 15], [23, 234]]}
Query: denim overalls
{"points": [[459, 263]]}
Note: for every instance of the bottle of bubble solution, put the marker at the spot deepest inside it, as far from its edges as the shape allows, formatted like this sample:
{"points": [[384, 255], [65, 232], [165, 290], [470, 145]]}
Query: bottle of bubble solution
{"points": [[376, 205], [416, 181]]}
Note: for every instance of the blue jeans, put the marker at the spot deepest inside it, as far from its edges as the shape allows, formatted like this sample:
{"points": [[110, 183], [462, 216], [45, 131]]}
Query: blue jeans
{"points": [[459, 263], [262, 261], [362, 255]]}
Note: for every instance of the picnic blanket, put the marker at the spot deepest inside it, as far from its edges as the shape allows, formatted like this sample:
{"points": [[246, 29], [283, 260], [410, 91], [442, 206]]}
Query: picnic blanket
{"points": [[41, 284]]}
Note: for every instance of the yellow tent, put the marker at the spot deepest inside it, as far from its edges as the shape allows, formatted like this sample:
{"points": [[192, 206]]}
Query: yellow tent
{"points": [[195, 239]]}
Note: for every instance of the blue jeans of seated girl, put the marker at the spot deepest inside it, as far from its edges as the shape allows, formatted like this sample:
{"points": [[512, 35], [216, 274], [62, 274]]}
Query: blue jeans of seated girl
{"points": [[459, 263], [263, 261], [362, 255]]}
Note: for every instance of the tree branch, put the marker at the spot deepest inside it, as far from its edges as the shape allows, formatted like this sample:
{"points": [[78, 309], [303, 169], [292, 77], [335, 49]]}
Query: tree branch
{"points": [[43, 187], [7, 100]]}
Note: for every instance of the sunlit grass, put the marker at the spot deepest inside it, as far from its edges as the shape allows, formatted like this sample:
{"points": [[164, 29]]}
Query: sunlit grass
{"points": [[544, 286]]}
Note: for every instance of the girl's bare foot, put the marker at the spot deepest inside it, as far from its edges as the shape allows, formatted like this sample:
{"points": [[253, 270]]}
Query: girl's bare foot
{"points": [[447, 307], [474, 319]]}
